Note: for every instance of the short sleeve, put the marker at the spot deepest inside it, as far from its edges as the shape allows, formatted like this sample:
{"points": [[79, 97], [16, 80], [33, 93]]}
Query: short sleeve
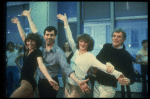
{"points": [[39, 53]]}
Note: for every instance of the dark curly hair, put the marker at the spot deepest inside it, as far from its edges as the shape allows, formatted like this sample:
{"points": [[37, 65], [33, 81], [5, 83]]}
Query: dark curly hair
{"points": [[35, 37], [49, 29], [86, 38]]}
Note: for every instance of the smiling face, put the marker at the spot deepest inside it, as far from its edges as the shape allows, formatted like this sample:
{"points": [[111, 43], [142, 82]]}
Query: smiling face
{"points": [[49, 37], [117, 39], [31, 44], [83, 45]]}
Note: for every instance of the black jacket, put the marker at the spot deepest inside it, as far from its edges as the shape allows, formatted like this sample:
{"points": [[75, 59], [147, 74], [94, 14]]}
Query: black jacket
{"points": [[121, 60]]}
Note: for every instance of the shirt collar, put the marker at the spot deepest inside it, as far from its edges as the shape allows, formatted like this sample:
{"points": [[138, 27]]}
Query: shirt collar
{"points": [[121, 47], [53, 48]]}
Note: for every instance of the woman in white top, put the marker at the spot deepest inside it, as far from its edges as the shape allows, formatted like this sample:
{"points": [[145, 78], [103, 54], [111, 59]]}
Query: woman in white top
{"points": [[82, 59], [142, 55]]}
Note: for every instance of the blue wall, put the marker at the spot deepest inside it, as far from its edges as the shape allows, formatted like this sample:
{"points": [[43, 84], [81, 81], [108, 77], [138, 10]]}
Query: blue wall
{"points": [[11, 29]]}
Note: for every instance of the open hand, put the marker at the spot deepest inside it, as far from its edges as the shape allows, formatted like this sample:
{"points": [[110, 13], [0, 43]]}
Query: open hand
{"points": [[26, 12], [15, 20], [83, 86], [123, 80], [54, 84], [62, 17]]}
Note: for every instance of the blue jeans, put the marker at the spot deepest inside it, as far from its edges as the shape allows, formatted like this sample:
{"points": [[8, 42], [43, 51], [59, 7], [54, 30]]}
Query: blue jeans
{"points": [[12, 79]]}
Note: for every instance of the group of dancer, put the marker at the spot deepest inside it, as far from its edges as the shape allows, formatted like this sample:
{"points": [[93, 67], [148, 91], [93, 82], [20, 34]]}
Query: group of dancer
{"points": [[113, 63]]}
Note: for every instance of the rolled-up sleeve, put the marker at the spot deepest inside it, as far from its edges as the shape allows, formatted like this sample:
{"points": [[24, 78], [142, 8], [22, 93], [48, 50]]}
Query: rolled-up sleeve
{"points": [[63, 63]]}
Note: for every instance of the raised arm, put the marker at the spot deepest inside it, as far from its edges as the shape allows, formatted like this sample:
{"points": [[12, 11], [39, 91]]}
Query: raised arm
{"points": [[20, 29], [46, 74], [31, 23], [67, 31]]}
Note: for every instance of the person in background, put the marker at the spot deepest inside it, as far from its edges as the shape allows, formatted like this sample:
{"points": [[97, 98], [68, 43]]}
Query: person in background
{"points": [[82, 59], [12, 68], [115, 53], [142, 58], [68, 52]]}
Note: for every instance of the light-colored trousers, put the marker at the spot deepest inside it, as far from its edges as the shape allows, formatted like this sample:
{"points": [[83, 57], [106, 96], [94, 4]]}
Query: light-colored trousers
{"points": [[102, 91]]}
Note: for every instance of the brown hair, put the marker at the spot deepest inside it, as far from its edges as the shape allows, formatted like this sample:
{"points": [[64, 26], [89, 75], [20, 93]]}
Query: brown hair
{"points": [[87, 38], [35, 37]]}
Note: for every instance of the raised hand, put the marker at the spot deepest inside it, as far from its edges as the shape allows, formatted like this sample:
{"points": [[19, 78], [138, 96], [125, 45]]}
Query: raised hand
{"points": [[26, 12], [83, 86], [15, 20], [62, 17], [54, 84]]}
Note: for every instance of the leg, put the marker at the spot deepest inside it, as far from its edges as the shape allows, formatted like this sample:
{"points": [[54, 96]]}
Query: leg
{"points": [[122, 91], [107, 91], [144, 84], [68, 92], [101, 91], [64, 80], [15, 77], [91, 85], [96, 92], [23, 91], [31, 95], [45, 89], [9, 81], [72, 91], [128, 91]]}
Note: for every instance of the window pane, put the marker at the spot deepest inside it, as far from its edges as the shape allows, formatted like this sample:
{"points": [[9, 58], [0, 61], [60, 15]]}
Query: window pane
{"points": [[96, 10], [98, 31], [61, 33], [123, 9], [70, 8]]}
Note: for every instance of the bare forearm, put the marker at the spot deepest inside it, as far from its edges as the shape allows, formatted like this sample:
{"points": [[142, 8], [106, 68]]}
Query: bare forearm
{"points": [[18, 64], [32, 25], [45, 72], [21, 31]]}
